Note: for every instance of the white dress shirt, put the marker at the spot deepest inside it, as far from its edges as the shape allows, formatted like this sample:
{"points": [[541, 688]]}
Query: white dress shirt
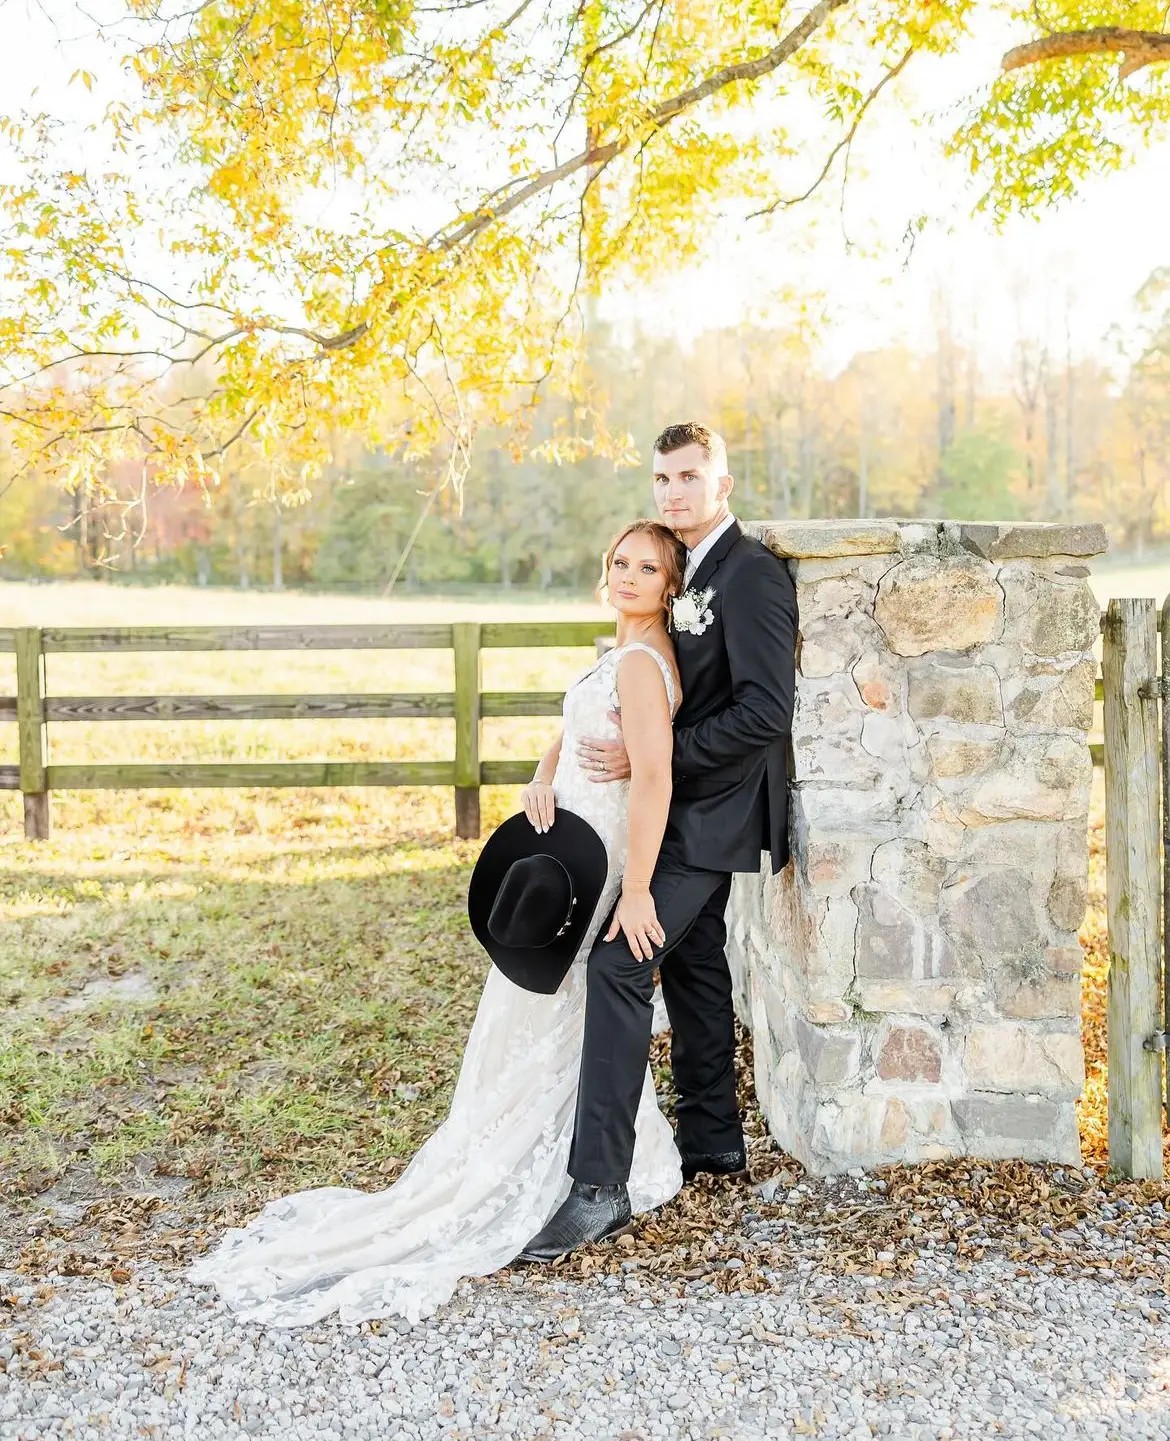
{"points": [[696, 557]]}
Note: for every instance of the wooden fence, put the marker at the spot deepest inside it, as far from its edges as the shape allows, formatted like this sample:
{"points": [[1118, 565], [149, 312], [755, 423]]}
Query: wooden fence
{"points": [[1135, 755], [33, 709], [1137, 879]]}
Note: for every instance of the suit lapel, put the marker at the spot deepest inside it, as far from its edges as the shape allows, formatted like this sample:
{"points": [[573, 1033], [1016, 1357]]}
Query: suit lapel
{"points": [[715, 557]]}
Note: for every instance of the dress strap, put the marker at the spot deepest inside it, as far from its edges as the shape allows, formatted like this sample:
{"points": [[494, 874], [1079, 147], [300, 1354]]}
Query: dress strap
{"points": [[662, 666]]}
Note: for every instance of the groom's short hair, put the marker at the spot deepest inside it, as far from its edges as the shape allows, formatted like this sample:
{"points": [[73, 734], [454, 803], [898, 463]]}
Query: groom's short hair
{"points": [[690, 432]]}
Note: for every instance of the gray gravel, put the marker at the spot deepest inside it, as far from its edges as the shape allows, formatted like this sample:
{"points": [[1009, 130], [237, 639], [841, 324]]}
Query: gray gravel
{"points": [[942, 1353]]}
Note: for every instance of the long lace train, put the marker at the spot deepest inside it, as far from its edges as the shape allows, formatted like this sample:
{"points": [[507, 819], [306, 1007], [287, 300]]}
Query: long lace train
{"points": [[491, 1175]]}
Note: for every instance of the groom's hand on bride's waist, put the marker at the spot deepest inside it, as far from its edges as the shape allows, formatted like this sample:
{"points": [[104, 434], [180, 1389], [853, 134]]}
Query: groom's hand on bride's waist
{"points": [[604, 760]]}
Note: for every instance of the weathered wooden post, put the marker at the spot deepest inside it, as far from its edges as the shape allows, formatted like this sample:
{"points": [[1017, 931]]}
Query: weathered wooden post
{"points": [[30, 725], [468, 688], [1164, 650], [1133, 882]]}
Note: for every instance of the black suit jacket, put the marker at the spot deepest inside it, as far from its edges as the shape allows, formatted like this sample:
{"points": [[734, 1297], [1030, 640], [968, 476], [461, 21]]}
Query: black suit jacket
{"points": [[732, 732]]}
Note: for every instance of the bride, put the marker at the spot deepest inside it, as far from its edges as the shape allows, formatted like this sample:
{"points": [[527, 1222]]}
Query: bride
{"points": [[495, 1171]]}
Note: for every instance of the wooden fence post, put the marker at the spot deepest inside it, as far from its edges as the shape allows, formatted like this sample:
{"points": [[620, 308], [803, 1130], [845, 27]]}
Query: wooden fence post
{"points": [[468, 688], [1133, 884], [1164, 651], [30, 726]]}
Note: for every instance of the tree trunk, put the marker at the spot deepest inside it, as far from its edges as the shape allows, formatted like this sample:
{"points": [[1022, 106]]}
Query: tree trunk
{"points": [[81, 512], [862, 464], [1070, 464], [804, 457], [779, 491], [239, 540], [1031, 379], [971, 376], [946, 387], [277, 545], [1054, 508]]}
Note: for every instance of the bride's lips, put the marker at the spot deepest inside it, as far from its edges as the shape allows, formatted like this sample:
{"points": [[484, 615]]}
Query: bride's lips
{"points": [[628, 594]]}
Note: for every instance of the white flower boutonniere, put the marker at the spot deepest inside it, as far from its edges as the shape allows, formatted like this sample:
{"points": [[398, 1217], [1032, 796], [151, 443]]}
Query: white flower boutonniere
{"points": [[691, 611]]}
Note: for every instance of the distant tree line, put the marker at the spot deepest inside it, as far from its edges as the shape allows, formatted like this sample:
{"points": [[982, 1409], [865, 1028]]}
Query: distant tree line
{"points": [[894, 433]]}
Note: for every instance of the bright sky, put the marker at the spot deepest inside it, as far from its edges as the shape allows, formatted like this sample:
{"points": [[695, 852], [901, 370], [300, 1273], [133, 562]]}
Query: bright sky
{"points": [[1088, 257]]}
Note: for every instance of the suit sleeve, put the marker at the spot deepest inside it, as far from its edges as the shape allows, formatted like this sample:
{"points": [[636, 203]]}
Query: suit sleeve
{"points": [[759, 629]]}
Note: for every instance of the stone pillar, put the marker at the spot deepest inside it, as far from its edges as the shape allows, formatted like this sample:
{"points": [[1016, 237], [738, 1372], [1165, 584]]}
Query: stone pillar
{"points": [[911, 979]]}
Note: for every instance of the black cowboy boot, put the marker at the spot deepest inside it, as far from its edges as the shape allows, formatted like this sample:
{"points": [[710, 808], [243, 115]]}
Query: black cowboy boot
{"points": [[721, 1163], [588, 1213]]}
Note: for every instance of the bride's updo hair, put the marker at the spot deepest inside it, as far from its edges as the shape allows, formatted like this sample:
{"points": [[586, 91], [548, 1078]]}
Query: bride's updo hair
{"points": [[671, 552]]}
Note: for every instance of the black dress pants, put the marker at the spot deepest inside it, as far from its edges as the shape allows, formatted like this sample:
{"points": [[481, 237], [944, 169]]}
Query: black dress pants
{"points": [[696, 986]]}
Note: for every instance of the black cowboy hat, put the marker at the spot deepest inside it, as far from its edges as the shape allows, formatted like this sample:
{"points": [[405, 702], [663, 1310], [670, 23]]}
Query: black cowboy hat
{"points": [[532, 896]]}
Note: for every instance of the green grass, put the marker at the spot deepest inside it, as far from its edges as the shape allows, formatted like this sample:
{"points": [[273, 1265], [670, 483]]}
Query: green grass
{"points": [[249, 992], [258, 989], [264, 1005]]}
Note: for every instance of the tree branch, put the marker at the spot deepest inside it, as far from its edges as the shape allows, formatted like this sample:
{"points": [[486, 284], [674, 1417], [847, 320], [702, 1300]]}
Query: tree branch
{"points": [[843, 144], [1137, 48], [597, 156], [489, 210]]}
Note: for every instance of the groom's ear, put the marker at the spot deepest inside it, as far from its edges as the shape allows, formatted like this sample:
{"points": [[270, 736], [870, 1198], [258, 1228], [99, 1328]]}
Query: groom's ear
{"points": [[726, 486]]}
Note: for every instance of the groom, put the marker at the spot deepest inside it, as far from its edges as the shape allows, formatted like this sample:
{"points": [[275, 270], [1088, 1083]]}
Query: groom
{"points": [[735, 635]]}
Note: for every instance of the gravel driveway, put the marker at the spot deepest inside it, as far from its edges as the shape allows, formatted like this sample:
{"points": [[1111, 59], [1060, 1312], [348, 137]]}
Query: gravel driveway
{"points": [[947, 1351]]}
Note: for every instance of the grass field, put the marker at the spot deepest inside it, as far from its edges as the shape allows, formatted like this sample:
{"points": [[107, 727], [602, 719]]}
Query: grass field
{"points": [[233, 994]]}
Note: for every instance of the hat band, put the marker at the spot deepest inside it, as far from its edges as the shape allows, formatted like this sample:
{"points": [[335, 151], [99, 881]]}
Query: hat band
{"points": [[568, 919]]}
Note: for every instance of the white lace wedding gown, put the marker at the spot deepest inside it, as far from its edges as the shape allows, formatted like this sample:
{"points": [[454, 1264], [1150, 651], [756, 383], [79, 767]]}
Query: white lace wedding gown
{"points": [[494, 1172]]}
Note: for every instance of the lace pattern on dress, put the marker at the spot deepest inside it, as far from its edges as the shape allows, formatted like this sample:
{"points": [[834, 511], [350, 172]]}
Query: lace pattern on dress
{"points": [[493, 1173]]}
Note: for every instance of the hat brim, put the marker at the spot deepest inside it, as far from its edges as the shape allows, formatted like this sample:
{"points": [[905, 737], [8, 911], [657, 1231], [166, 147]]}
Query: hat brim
{"points": [[579, 848]]}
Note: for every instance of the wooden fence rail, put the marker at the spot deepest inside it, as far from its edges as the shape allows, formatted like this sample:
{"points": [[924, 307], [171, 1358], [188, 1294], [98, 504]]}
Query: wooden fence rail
{"points": [[468, 704], [1132, 750], [33, 709]]}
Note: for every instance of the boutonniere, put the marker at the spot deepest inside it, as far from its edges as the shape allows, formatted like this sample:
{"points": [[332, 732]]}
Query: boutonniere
{"points": [[691, 611]]}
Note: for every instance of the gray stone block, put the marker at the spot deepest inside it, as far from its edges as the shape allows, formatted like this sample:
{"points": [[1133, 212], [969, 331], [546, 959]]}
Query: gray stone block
{"points": [[830, 1055], [1037, 997], [967, 694], [885, 935], [1047, 616], [1009, 539], [1015, 1118], [991, 921], [909, 871]]}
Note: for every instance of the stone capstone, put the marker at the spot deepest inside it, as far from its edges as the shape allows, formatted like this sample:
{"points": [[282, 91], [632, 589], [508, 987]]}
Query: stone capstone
{"points": [[1008, 540]]}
